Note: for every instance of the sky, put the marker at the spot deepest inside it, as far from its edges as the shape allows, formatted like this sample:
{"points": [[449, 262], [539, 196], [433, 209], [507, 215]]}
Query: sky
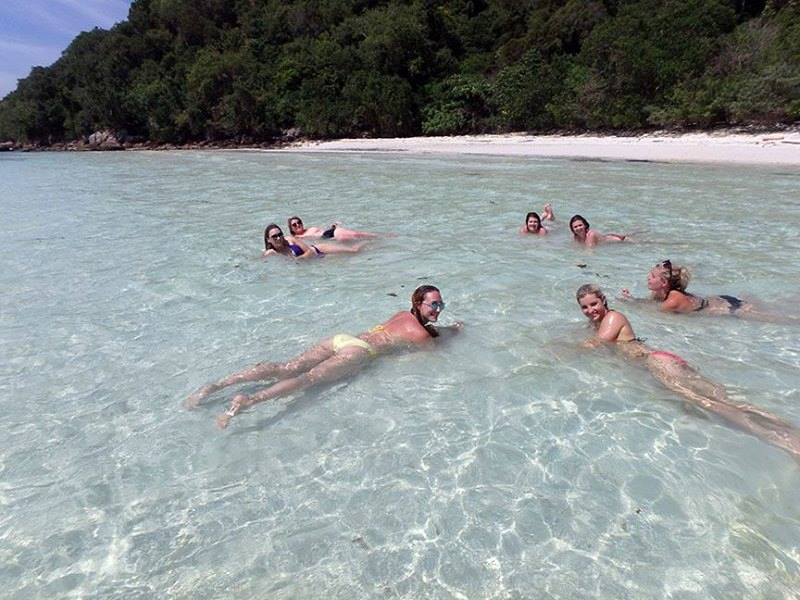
{"points": [[34, 33]]}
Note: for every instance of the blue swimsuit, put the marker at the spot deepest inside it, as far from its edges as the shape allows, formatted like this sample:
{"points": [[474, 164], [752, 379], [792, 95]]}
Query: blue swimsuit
{"points": [[298, 251]]}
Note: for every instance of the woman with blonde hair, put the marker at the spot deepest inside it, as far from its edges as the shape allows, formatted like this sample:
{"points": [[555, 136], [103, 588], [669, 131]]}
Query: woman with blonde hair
{"points": [[667, 283], [676, 374]]}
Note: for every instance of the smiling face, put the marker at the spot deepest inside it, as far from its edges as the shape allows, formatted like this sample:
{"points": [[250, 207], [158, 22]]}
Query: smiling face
{"points": [[593, 306], [533, 224], [578, 227], [430, 307], [275, 237]]}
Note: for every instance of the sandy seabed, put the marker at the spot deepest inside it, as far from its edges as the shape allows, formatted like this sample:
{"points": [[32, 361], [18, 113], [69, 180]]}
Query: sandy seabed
{"points": [[779, 148]]}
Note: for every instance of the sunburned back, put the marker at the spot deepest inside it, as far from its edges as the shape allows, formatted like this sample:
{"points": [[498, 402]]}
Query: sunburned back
{"points": [[681, 302], [402, 329]]}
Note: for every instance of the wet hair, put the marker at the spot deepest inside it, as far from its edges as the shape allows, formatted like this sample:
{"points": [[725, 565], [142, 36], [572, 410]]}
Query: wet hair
{"points": [[578, 218], [290, 219], [591, 288], [677, 276], [267, 244], [533, 214], [417, 298]]}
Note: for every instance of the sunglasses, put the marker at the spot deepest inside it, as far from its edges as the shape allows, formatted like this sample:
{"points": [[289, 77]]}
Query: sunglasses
{"points": [[276, 236], [666, 264], [436, 305], [296, 224]]}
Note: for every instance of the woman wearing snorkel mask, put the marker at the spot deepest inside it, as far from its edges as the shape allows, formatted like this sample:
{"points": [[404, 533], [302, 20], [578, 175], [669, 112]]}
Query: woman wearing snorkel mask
{"points": [[336, 357]]}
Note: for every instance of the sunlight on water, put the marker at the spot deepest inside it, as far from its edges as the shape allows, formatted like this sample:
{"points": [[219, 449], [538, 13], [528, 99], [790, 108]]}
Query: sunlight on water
{"points": [[509, 463]]}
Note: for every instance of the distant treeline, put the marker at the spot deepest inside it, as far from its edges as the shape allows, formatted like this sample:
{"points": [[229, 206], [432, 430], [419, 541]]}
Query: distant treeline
{"points": [[190, 70]]}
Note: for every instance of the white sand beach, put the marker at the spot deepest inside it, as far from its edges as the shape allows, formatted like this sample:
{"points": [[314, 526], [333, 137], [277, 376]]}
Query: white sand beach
{"points": [[779, 148]]}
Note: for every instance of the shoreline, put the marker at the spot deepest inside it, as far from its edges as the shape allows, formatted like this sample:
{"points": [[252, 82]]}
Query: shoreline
{"points": [[774, 148], [766, 148]]}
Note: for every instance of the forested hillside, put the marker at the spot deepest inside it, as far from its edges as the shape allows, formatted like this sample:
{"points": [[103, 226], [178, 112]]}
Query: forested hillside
{"points": [[248, 70]]}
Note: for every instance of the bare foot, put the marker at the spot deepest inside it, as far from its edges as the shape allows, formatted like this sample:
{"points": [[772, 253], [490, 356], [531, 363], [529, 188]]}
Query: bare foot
{"points": [[238, 403], [195, 399]]}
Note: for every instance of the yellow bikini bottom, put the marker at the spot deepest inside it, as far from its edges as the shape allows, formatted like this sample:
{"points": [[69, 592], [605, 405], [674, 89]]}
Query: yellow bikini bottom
{"points": [[344, 340]]}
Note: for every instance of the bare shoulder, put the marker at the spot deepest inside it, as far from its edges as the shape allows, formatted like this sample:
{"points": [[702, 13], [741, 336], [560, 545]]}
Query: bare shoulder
{"points": [[405, 326], [613, 326], [617, 318], [674, 302]]}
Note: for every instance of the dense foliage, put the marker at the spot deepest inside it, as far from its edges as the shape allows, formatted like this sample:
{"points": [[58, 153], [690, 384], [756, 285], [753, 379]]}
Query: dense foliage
{"points": [[183, 70]]}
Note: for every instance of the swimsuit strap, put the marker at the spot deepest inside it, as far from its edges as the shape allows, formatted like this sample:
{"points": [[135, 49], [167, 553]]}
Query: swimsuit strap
{"points": [[703, 303]]}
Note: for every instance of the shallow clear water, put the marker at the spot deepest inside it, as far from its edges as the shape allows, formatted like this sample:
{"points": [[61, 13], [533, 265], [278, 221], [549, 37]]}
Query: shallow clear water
{"points": [[508, 463]]}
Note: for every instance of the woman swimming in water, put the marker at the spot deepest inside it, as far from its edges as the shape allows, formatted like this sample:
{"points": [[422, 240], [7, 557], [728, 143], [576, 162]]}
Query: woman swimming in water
{"points": [[335, 231], [589, 237], [547, 213], [533, 225], [276, 243], [668, 282], [335, 357], [676, 374]]}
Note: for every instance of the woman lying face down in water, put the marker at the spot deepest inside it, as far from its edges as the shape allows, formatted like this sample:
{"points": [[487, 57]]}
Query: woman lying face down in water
{"points": [[335, 357], [667, 284], [277, 243], [335, 231], [589, 237], [676, 374]]}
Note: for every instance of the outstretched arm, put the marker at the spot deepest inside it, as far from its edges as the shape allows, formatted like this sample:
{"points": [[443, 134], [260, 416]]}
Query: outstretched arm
{"points": [[626, 296], [448, 331]]}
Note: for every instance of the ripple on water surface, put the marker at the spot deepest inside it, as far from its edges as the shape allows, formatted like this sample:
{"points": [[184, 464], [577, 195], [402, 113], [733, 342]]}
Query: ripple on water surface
{"points": [[509, 463]]}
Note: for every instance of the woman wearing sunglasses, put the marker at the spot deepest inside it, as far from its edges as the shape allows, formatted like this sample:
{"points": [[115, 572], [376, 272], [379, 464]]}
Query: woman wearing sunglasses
{"points": [[335, 357], [676, 374], [277, 243], [667, 283], [335, 231]]}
